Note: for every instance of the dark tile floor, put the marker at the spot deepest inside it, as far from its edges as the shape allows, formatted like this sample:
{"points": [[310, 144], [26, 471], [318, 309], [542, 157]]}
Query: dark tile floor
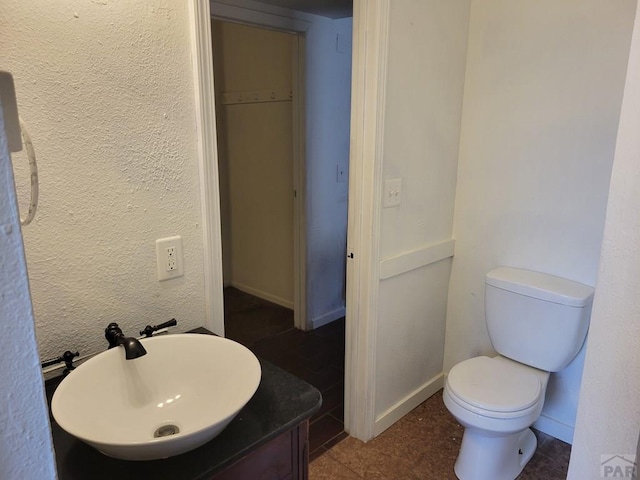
{"points": [[316, 356]]}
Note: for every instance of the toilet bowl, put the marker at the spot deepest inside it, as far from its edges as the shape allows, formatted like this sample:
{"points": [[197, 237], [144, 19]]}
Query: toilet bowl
{"points": [[496, 400], [537, 323]]}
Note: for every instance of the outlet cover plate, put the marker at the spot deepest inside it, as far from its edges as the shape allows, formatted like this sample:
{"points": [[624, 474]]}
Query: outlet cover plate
{"points": [[169, 261]]}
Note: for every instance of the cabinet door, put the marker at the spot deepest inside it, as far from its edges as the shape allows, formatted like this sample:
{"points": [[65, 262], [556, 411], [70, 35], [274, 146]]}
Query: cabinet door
{"points": [[283, 458]]}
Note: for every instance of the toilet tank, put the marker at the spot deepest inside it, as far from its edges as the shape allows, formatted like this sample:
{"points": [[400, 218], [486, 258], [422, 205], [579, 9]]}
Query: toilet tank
{"points": [[536, 319]]}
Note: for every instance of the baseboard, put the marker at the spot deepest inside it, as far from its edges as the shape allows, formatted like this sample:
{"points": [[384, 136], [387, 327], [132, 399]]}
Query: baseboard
{"points": [[555, 428], [404, 406], [263, 295], [327, 318]]}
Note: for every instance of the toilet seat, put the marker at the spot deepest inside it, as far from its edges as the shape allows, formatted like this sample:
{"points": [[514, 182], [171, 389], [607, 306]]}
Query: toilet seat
{"points": [[494, 387]]}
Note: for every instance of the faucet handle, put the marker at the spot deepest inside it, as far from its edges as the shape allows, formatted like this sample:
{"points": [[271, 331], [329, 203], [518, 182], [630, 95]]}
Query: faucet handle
{"points": [[149, 330], [111, 333], [67, 357]]}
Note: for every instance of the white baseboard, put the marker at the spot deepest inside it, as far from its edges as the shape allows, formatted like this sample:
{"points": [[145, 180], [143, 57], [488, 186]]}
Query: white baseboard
{"points": [[555, 428], [404, 406], [263, 295], [327, 318]]}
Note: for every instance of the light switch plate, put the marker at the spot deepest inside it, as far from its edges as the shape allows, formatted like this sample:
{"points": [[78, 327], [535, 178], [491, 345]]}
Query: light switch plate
{"points": [[392, 193]]}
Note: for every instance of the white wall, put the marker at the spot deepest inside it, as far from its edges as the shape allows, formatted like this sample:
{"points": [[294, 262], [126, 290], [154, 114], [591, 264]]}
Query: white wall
{"points": [[26, 450], [328, 110], [424, 87], [106, 89], [609, 411], [327, 116], [542, 100]]}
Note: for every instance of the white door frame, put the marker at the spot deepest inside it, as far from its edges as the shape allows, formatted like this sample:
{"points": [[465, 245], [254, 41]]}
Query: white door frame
{"points": [[208, 155], [300, 315], [370, 33], [370, 38], [204, 92]]}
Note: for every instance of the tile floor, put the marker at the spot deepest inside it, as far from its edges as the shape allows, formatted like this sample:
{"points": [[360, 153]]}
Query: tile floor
{"points": [[422, 445], [316, 357]]}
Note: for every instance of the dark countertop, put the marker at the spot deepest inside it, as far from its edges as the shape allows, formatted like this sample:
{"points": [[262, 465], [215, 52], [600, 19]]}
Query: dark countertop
{"points": [[281, 402]]}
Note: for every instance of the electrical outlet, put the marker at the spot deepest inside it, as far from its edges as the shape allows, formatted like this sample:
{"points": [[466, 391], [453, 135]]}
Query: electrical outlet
{"points": [[169, 258], [172, 264]]}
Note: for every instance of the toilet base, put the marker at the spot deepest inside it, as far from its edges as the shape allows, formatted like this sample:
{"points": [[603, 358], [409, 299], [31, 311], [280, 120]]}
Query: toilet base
{"points": [[485, 457]]}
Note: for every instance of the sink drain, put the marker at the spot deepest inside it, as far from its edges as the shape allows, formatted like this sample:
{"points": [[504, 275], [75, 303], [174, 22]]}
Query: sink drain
{"points": [[166, 430]]}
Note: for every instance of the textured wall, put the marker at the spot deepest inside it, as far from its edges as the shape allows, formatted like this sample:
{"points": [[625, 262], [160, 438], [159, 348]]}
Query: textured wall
{"points": [[106, 89], [542, 100], [609, 411], [25, 436]]}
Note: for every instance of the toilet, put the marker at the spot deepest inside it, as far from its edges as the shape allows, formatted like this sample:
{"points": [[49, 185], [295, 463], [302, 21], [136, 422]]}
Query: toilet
{"points": [[537, 323]]}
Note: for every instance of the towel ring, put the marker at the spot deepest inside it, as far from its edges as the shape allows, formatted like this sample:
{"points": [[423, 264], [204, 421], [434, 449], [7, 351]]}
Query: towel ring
{"points": [[33, 173]]}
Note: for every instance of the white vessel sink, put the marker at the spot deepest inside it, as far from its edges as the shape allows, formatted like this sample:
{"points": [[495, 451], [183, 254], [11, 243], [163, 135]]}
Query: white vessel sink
{"points": [[180, 395]]}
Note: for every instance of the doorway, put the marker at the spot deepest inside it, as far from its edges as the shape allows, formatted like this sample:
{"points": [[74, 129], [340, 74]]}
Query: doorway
{"points": [[256, 83], [327, 50], [260, 146]]}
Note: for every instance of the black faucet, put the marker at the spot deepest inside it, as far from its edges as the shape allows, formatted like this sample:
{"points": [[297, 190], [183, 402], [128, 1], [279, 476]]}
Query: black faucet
{"points": [[132, 347]]}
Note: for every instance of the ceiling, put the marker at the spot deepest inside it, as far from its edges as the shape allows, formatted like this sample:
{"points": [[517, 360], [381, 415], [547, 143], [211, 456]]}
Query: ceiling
{"points": [[325, 8]]}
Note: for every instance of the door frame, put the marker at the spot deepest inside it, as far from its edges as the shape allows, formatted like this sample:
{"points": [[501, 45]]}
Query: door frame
{"points": [[204, 93], [370, 40], [368, 86], [208, 154]]}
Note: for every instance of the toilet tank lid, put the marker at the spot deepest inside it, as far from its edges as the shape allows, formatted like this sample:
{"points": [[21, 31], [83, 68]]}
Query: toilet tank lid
{"points": [[541, 285]]}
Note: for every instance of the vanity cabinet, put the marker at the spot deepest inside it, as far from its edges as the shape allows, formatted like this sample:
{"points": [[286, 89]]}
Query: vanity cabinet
{"points": [[286, 457], [268, 440]]}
